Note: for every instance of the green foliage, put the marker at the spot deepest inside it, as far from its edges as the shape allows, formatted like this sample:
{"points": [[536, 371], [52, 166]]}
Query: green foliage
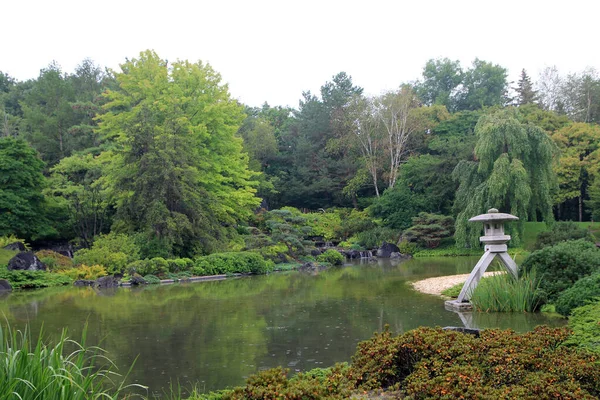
{"points": [[288, 226], [331, 256], [397, 206], [354, 222], [232, 263], [92, 272], [429, 229], [152, 279], [453, 291], [325, 224], [156, 266], [582, 292], [504, 293], [376, 236], [561, 232], [513, 173], [54, 261], [432, 363], [113, 251], [10, 239], [448, 252], [407, 247], [67, 370], [585, 326], [560, 266], [274, 384], [34, 279], [22, 205], [6, 255], [179, 174]]}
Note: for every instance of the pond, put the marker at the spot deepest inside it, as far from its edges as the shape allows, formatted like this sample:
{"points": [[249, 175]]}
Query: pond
{"points": [[217, 333]]}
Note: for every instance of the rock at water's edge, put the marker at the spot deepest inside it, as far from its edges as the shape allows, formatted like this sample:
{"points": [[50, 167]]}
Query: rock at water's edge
{"points": [[386, 250], [106, 282], [26, 261], [5, 286], [137, 279], [83, 282]]}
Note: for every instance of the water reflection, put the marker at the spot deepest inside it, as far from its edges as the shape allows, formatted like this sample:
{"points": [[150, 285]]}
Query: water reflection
{"points": [[217, 333]]}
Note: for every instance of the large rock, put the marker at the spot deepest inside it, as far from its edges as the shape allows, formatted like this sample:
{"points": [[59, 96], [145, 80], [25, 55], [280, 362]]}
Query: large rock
{"points": [[106, 282], [386, 250], [26, 261], [19, 246], [5, 286]]}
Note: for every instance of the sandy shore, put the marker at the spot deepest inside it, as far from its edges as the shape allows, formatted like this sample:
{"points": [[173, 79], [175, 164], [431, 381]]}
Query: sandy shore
{"points": [[438, 284]]}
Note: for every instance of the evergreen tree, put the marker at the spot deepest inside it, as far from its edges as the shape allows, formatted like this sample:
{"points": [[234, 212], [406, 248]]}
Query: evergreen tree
{"points": [[525, 92]]}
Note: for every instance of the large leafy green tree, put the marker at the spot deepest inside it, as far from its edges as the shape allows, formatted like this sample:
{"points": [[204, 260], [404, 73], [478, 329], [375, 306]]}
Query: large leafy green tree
{"points": [[441, 79], [23, 209], [484, 85], [512, 171], [179, 175]]}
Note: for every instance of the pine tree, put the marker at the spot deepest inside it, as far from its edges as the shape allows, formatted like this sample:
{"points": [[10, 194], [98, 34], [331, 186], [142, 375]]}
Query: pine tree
{"points": [[524, 89]]}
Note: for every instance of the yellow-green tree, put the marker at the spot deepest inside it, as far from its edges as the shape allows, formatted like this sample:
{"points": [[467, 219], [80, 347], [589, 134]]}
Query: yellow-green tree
{"points": [[179, 176], [579, 144]]}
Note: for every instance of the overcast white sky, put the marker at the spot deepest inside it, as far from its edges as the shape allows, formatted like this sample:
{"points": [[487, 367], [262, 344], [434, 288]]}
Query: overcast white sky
{"points": [[273, 50]]}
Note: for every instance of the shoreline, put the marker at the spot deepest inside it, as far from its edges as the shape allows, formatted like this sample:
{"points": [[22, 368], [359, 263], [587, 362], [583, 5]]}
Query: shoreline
{"points": [[438, 284]]}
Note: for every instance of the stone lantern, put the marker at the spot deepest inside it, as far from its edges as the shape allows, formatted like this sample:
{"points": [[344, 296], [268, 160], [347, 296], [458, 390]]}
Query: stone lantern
{"points": [[494, 240]]}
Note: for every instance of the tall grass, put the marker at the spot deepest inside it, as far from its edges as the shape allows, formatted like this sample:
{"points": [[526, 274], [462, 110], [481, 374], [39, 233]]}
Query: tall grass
{"points": [[31, 369], [504, 293]]}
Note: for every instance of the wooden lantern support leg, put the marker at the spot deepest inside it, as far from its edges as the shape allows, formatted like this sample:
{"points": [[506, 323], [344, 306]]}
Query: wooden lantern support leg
{"points": [[475, 276], [510, 265]]}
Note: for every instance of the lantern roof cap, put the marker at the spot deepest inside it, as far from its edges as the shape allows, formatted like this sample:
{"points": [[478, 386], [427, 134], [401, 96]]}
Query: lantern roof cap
{"points": [[494, 215]]}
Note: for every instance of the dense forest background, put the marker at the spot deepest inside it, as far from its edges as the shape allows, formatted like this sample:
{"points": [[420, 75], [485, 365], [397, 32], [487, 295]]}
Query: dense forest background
{"points": [[162, 152]]}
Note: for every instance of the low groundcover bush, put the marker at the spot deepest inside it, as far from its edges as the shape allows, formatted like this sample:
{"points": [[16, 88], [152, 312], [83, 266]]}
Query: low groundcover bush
{"points": [[428, 363]]}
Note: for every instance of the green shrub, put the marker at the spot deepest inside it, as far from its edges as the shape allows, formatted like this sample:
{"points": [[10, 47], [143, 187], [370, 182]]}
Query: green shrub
{"points": [[156, 266], [585, 326], [375, 237], [582, 292], [151, 279], [113, 251], [407, 247], [355, 222], [331, 256], [232, 263], [432, 363], [429, 229], [504, 293], [10, 239], [31, 369], [274, 384], [560, 266], [325, 224], [561, 232], [84, 272], [34, 279], [180, 265]]}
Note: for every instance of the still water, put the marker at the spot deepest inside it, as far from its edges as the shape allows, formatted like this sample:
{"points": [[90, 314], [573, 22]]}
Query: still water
{"points": [[214, 334]]}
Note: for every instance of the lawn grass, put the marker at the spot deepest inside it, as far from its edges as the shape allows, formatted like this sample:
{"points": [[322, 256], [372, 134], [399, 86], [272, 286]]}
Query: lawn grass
{"points": [[6, 255]]}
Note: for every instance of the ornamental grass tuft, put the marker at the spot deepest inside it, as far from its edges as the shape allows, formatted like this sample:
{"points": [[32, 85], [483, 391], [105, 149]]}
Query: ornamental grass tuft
{"points": [[67, 370]]}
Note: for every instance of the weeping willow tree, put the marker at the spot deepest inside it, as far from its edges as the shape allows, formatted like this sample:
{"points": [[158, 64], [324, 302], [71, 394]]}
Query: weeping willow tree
{"points": [[511, 171]]}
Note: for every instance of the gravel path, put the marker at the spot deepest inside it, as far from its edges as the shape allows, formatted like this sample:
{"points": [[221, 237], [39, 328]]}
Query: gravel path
{"points": [[438, 284]]}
